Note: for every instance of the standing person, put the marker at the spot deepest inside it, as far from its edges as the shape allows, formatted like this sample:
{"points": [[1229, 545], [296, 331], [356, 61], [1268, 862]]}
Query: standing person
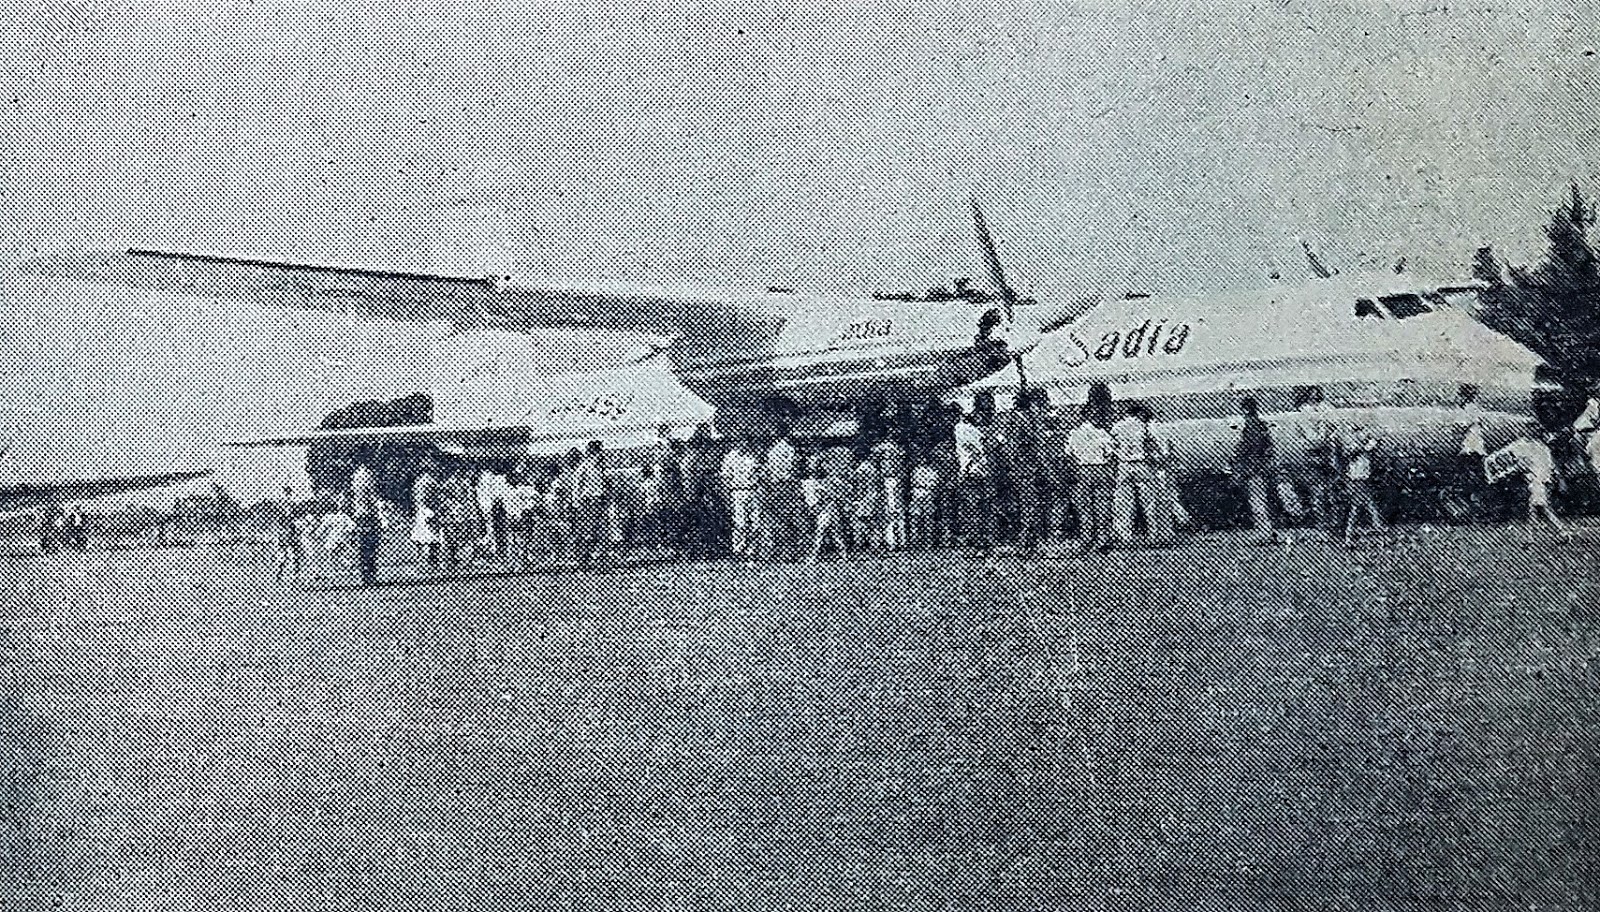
{"points": [[830, 485], [1161, 500], [1134, 491], [77, 528], [674, 498], [1471, 482], [1055, 456], [1539, 468], [927, 482], [651, 528], [891, 456], [1587, 430], [1029, 477], [1252, 465], [291, 550], [866, 502], [366, 512], [701, 471], [1091, 449], [782, 501], [590, 504], [425, 533], [739, 474], [1321, 470], [1358, 449], [974, 486]]}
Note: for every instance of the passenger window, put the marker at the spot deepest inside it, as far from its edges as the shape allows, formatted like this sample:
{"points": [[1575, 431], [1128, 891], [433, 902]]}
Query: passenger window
{"points": [[1366, 307], [1405, 305]]}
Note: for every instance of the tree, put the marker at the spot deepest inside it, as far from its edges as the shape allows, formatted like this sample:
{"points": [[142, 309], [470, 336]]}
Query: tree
{"points": [[1553, 308], [330, 463]]}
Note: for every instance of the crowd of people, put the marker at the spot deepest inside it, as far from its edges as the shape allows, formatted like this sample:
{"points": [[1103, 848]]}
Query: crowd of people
{"points": [[982, 480]]}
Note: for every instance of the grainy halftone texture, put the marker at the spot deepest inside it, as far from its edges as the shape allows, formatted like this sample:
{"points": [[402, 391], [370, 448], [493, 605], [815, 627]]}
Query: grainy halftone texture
{"points": [[1217, 726], [1212, 727]]}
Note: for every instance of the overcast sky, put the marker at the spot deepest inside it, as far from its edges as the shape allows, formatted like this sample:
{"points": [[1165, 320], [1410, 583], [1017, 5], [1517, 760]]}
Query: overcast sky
{"points": [[815, 145]]}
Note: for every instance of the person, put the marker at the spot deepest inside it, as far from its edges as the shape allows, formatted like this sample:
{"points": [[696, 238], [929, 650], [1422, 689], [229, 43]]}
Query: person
{"points": [[589, 504], [781, 498], [827, 491], [866, 501], [425, 504], [651, 529], [1358, 447], [1024, 438], [1539, 468], [1470, 484], [290, 550], [1091, 450], [740, 469], [703, 513], [1252, 466], [975, 490], [77, 528], [1321, 468], [366, 512], [459, 521], [337, 531], [891, 459], [1056, 457], [522, 512], [1162, 508], [1134, 493], [674, 498], [493, 490], [926, 483], [1587, 429]]}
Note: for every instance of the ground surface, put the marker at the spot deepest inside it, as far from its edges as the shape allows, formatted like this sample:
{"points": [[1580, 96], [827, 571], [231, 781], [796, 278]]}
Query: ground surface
{"points": [[1218, 726]]}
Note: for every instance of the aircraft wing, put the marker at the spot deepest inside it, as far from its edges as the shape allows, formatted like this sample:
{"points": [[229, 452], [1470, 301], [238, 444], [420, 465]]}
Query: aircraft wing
{"points": [[465, 301], [27, 495], [503, 441]]}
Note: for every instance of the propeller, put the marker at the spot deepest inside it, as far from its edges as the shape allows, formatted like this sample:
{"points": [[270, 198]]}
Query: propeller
{"points": [[997, 280]]}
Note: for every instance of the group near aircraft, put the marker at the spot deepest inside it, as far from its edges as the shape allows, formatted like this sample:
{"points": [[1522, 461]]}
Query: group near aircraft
{"points": [[1390, 354]]}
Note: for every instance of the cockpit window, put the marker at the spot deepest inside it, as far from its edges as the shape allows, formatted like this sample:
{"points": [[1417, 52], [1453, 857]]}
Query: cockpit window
{"points": [[1405, 305], [1366, 307]]}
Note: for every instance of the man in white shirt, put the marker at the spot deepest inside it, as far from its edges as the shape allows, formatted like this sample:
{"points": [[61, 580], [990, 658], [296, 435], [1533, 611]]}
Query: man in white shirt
{"points": [[739, 475], [1320, 474], [1136, 486], [1090, 448], [891, 458], [1470, 480], [974, 485], [782, 499], [590, 507], [1539, 466]]}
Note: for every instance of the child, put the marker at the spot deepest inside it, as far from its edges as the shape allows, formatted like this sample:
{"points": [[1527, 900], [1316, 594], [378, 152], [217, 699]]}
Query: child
{"points": [[1358, 448]]}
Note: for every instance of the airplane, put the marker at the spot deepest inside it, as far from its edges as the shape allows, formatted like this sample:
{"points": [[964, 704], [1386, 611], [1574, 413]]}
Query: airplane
{"points": [[22, 496], [1391, 355], [750, 360]]}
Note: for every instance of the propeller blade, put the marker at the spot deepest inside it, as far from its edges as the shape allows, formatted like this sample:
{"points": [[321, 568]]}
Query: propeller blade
{"points": [[991, 259]]}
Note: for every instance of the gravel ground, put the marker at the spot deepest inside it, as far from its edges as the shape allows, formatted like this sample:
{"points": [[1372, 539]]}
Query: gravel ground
{"points": [[1215, 726]]}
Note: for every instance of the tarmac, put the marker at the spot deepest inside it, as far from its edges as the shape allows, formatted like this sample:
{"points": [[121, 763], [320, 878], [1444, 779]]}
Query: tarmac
{"points": [[1213, 726]]}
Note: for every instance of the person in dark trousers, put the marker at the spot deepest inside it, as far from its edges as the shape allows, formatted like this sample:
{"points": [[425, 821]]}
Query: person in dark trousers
{"points": [[1252, 465], [364, 509]]}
